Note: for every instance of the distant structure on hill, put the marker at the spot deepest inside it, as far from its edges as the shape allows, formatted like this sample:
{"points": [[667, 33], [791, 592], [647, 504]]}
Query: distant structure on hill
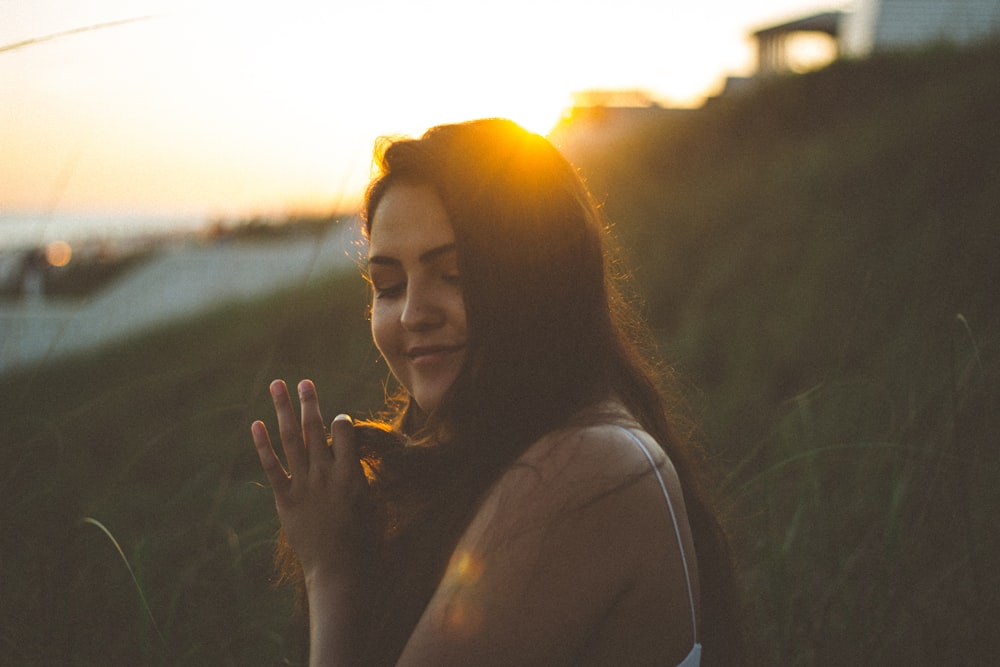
{"points": [[875, 26], [863, 28], [599, 118], [886, 25], [772, 41]]}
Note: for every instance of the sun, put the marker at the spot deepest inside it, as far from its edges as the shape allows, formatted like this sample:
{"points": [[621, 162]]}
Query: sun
{"points": [[262, 110], [538, 115], [534, 106]]}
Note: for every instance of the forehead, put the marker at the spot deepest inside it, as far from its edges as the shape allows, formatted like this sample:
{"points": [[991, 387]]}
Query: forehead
{"points": [[409, 219]]}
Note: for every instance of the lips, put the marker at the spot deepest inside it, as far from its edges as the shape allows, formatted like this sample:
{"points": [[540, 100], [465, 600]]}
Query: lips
{"points": [[432, 353]]}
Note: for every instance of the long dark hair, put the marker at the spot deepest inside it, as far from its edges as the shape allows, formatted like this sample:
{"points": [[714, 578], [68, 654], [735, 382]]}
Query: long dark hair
{"points": [[550, 335]]}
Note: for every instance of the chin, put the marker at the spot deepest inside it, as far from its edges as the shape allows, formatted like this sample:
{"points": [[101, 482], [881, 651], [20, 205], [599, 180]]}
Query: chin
{"points": [[429, 398], [428, 404]]}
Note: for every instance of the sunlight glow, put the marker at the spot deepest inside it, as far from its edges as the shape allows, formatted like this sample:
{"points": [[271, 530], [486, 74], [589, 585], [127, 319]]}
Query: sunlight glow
{"points": [[225, 109], [809, 51], [467, 567]]}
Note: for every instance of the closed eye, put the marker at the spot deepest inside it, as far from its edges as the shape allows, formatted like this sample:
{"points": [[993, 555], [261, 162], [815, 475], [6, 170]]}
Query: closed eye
{"points": [[388, 291]]}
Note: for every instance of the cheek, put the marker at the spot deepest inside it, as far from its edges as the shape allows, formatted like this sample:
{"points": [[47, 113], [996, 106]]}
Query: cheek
{"points": [[380, 327], [457, 312]]}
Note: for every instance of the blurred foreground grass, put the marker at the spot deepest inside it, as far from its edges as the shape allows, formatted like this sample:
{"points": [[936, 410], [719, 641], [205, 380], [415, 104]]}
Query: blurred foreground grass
{"points": [[151, 440], [819, 259]]}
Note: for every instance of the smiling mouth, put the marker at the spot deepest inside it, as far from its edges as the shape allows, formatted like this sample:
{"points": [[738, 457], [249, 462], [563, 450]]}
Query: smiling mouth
{"points": [[431, 353]]}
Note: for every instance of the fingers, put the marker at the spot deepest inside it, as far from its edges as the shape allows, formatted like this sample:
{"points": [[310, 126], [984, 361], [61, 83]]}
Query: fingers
{"points": [[303, 439], [312, 424], [288, 428], [344, 447], [275, 472]]}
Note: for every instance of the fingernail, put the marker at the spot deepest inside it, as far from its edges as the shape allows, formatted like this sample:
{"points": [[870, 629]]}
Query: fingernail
{"points": [[277, 388], [306, 389], [343, 418]]}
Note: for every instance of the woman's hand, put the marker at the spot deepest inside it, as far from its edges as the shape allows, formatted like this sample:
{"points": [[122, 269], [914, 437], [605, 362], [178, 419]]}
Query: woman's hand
{"points": [[324, 506], [322, 498]]}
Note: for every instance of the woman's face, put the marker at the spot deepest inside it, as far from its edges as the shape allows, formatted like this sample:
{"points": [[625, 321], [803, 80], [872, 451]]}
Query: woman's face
{"points": [[418, 312]]}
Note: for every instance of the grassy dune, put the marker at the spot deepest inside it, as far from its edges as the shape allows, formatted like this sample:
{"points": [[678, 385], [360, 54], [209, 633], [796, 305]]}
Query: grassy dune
{"points": [[820, 261]]}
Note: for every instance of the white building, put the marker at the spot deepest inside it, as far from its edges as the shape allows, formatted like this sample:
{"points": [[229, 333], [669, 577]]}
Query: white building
{"points": [[886, 25], [874, 26]]}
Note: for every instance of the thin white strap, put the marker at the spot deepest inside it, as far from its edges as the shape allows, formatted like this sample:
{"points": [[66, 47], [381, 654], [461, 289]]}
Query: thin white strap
{"points": [[677, 530]]}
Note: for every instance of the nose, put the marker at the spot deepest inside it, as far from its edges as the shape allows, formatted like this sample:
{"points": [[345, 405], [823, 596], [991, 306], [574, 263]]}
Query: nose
{"points": [[421, 310]]}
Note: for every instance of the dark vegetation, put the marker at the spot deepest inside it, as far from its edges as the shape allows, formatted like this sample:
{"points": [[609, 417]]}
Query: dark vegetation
{"points": [[151, 440], [820, 261]]}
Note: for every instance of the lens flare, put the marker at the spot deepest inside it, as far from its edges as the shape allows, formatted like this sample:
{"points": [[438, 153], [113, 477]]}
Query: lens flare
{"points": [[58, 253]]}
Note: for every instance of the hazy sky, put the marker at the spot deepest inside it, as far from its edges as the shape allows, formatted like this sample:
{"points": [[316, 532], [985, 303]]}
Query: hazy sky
{"points": [[226, 108]]}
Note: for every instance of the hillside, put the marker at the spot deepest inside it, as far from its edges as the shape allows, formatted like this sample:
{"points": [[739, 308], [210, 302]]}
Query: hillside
{"points": [[821, 258], [820, 261]]}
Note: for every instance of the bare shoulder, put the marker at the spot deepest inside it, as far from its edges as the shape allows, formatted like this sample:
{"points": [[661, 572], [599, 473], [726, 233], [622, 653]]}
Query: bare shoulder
{"points": [[569, 549], [608, 447], [584, 464]]}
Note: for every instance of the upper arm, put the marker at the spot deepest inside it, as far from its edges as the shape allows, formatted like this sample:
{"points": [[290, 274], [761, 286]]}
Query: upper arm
{"points": [[555, 547]]}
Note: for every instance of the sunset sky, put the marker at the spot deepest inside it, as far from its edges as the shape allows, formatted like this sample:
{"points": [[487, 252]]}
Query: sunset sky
{"points": [[231, 108]]}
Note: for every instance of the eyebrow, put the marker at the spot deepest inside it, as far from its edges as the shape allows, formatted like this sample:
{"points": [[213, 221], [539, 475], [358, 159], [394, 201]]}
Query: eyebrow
{"points": [[425, 257]]}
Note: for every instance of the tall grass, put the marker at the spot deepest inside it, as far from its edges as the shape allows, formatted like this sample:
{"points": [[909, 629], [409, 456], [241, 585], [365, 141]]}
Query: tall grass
{"points": [[149, 440], [869, 530], [819, 260]]}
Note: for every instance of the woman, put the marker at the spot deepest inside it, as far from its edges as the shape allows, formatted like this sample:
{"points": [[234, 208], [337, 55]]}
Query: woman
{"points": [[527, 502]]}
